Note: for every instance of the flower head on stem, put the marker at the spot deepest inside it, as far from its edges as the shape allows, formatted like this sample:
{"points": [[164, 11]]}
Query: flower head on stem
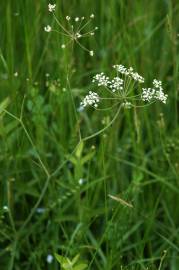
{"points": [[124, 89], [74, 29]]}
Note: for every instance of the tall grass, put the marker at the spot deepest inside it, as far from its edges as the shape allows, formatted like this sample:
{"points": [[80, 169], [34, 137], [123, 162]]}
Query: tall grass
{"points": [[136, 159]]}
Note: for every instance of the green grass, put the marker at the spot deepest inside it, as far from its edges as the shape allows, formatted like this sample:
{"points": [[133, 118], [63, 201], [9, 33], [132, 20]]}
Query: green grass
{"points": [[41, 160]]}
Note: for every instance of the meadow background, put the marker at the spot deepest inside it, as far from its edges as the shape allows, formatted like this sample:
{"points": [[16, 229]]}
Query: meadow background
{"points": [[43, 208]]}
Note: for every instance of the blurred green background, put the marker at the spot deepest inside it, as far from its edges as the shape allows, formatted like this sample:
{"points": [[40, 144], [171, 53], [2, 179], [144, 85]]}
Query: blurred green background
{"points": [[136, 158]]}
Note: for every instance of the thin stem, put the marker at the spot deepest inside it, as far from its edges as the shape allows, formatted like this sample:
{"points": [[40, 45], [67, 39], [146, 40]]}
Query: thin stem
{"points": [[61, 33], [162, 259], [84, 48], [142, 106], [12, 221], [103, 129], [61, 24], [36, 205], [85, 25], [33, 145], [30, 140], [22, 108], [108, 108], [13, 253]]}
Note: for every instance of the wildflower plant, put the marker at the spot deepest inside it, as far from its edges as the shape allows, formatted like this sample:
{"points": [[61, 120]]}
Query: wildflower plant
{"points": [[125, 89], [73, 29]]}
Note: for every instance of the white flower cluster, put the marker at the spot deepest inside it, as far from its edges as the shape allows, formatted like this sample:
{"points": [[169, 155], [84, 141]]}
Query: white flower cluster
{"points": [[155, 93], [148, 94], [129, 72], [51, 7], [157, 84], [127, 104], [121, 69], [91, 99], [137, 77], [116, 84], [160, 95], [101, 79]]}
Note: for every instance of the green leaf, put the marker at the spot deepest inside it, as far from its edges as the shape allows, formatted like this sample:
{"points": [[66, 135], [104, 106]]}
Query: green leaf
{"points": [[4, 104], [75, 259], [79, 149], [87, 157], [67, 266], [80, 266], [73, 160], [11, 126], [62, 260]]}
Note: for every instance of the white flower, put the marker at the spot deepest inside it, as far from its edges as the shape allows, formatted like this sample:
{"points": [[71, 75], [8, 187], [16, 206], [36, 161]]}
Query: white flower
{"points": [[137, 77], [121, 69], [160, 95], [116, 84], [5, 208], [157, 84], [92, 16], [81, 181], [148, 94], [48, 28], [68, 18], [129, 72], [63, 46], [77, 19], [51, 7], [78, 35], [16, 74], [49, 258], [91, 99], [40, 210], [91, 53], [127, 105], [101, 79]]}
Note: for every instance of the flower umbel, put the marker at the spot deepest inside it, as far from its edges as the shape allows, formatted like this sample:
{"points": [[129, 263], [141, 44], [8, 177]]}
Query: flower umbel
{"points": [[124, 89], [74, 29]]}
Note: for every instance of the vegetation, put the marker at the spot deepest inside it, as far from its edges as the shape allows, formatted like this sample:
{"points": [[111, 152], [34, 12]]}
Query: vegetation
{"points": [[79, 187]]}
